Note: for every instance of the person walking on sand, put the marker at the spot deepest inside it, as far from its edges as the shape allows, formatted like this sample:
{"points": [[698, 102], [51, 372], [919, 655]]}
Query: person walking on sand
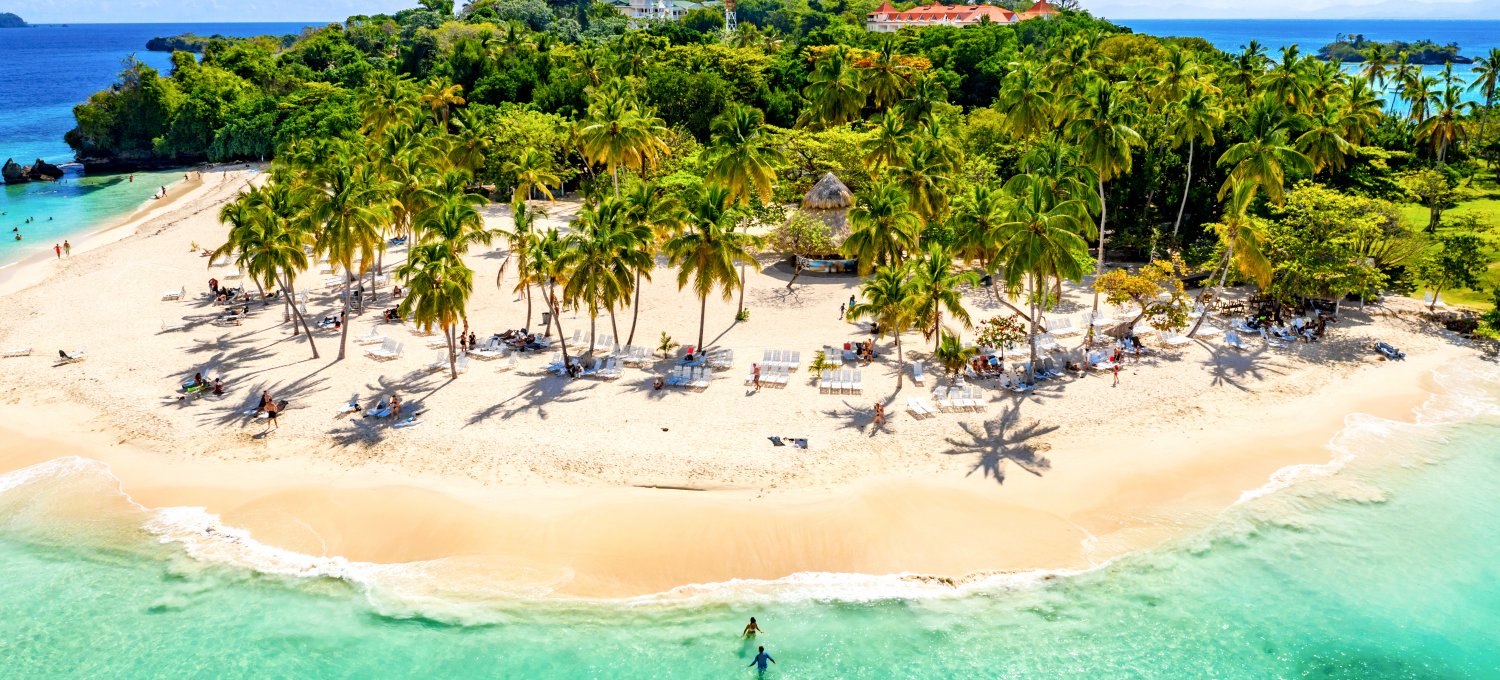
{"points": [[57, 248], [879, 414], [752, 629], [755, 378], [67, 248], [1117, 374], [761, 659], [271, 423]]}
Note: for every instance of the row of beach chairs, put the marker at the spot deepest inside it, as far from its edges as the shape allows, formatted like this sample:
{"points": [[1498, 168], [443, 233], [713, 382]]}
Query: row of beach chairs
{"points": [[774, 376], [388, 349], [693, 377], [842, 381], [788, 359], [959, 398]]}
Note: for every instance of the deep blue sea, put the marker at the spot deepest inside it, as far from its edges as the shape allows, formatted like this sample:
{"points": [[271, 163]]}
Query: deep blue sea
{"points": [[44, 72]]}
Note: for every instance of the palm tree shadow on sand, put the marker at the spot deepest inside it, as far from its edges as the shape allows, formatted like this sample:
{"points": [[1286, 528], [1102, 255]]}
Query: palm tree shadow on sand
{"points": [[1003, 439]]}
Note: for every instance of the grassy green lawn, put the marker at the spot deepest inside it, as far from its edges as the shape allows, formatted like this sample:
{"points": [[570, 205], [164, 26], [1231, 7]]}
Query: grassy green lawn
{"points": [[1482, 201]]}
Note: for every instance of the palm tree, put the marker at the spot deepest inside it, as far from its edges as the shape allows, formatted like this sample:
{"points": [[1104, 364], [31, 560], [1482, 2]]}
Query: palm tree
{"points": [[545, 255], [952, 354], [1241, 239], [519, 239], [919, 108], [1264, 158], [890, 300], [1486, 74], [654, 217], [350, 205], [892, 138], [926, 174], [1104, 137], [1040, 240], [743, 155], [833, 92], [438, 287], [1194, 117], [270, 244], [1287, 82], [1323, 141], [1247, 67], [1445, 127], [1419, 93], [708, 249], [617, 134], [533, 170], [885, 78], [440, 99], [1026, 101], [601, 257], [883, 228], [1377, 64], [938, 290]]}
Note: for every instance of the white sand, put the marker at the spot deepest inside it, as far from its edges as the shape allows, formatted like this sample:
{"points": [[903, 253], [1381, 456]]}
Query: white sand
{"points": [[536, 468]]}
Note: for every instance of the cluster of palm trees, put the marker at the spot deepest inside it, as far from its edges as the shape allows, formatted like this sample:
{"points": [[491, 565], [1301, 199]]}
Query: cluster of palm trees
{"points": [[1435, 104], [927, 226]]}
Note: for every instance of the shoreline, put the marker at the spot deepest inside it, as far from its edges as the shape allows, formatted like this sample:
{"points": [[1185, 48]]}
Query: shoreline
{"points": [[33, 269], [623, 542]]}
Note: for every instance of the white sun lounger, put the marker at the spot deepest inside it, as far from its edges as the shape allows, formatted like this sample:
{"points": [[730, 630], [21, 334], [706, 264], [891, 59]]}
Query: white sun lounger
{"points": [[74, 356], [169, 327], [390, 349], [915, 407], [1062, 327], [916, 373], [372, 338], [16, 352], [1173, 339], [179, 294], [1232, 339]]}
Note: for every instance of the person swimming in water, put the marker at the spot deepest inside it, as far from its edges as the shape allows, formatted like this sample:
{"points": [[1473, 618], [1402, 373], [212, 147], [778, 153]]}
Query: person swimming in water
{"points": [[751, 629], [760, 661]]}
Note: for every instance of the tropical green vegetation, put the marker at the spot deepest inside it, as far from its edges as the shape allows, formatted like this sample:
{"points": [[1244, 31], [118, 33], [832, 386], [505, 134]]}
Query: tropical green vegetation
{"points": [[1017, 157]]}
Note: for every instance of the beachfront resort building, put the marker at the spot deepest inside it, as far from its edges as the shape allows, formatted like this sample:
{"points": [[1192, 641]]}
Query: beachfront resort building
{"points": [[887, 19], [667, 10]]}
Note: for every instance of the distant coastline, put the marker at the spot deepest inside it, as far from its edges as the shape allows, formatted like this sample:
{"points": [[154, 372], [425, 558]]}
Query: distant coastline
{"points": [[8, 20]]}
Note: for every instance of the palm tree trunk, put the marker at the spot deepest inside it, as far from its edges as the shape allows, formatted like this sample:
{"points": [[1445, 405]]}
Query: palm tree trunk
{"points": [[937, 332], [297, 318], [1008, 305], [1031, 367], [900, 359], [614, 327], [593, 327], [1185, 186], [702, 317], [615, 173], [1223, 276], [452, 353], [344, 321], [1100, 270], [527, 290], [260, 290], [557, 319], [741, 311], [636, 313]]}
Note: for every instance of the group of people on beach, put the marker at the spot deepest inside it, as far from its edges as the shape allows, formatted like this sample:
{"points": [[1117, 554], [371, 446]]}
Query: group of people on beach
{"points": [[62, 249]]}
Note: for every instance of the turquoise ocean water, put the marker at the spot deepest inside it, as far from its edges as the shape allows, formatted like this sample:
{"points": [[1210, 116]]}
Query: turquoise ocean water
{"points": [[49, 70], [1382, 564]]}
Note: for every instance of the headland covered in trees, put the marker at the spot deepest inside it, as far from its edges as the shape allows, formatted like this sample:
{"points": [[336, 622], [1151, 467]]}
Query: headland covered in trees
{"points": [[8, 20], [601, 234], [192, 42], [1355, 49]]}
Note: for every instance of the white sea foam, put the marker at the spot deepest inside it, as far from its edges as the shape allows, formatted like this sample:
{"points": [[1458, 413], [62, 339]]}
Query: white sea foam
{"points": [[451, 590]]}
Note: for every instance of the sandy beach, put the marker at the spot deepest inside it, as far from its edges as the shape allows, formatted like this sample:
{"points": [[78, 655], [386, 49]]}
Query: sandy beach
{"points": [[591, 488]]}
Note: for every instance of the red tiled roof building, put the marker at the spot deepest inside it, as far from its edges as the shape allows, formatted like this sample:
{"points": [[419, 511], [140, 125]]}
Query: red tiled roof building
{"points": [[887, 19]]}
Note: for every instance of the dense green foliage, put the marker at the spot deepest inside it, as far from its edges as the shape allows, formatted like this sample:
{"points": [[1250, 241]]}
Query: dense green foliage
{"points": [[1354, 49], [1010, 149], [8, 20]]}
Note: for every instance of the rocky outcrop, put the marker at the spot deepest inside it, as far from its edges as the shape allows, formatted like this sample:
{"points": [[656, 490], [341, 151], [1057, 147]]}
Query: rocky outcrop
{"points": [[15, 173], [43, 170]]}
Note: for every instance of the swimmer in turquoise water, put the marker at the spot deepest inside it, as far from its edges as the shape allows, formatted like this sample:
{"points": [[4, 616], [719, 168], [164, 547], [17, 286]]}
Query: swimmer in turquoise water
{"points": [[760, 661]]}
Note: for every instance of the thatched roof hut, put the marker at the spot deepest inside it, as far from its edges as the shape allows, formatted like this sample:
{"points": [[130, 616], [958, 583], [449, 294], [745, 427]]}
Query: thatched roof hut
{"points": [[829, 200]]}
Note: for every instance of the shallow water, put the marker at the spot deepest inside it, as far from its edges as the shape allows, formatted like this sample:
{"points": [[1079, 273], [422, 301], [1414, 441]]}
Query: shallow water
{"points": [[1380, 564]]}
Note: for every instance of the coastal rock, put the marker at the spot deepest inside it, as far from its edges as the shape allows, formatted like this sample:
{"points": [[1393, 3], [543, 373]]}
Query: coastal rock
{"points": [[43, 170], [14, 173]]}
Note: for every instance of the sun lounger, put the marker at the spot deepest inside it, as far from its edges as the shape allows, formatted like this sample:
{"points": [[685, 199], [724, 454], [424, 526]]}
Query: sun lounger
{"points": [[916, 373], [917, 409], [389, 349], [1173, 339], [179, 294], [372, 338], [1208, 330], [1062, 326], [16, 352], [437, 342], [856, 381], [494, 349], [1100, 361], [1232, 339], [169, 327], [70, 357]]}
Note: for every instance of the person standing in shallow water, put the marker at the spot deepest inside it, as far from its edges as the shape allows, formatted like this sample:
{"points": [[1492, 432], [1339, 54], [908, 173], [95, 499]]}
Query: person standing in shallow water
{"points": [[751, 629], [761, 659]]}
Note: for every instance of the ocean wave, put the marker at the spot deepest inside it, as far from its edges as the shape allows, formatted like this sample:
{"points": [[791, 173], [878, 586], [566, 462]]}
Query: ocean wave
{"points": [[478, 591]]}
